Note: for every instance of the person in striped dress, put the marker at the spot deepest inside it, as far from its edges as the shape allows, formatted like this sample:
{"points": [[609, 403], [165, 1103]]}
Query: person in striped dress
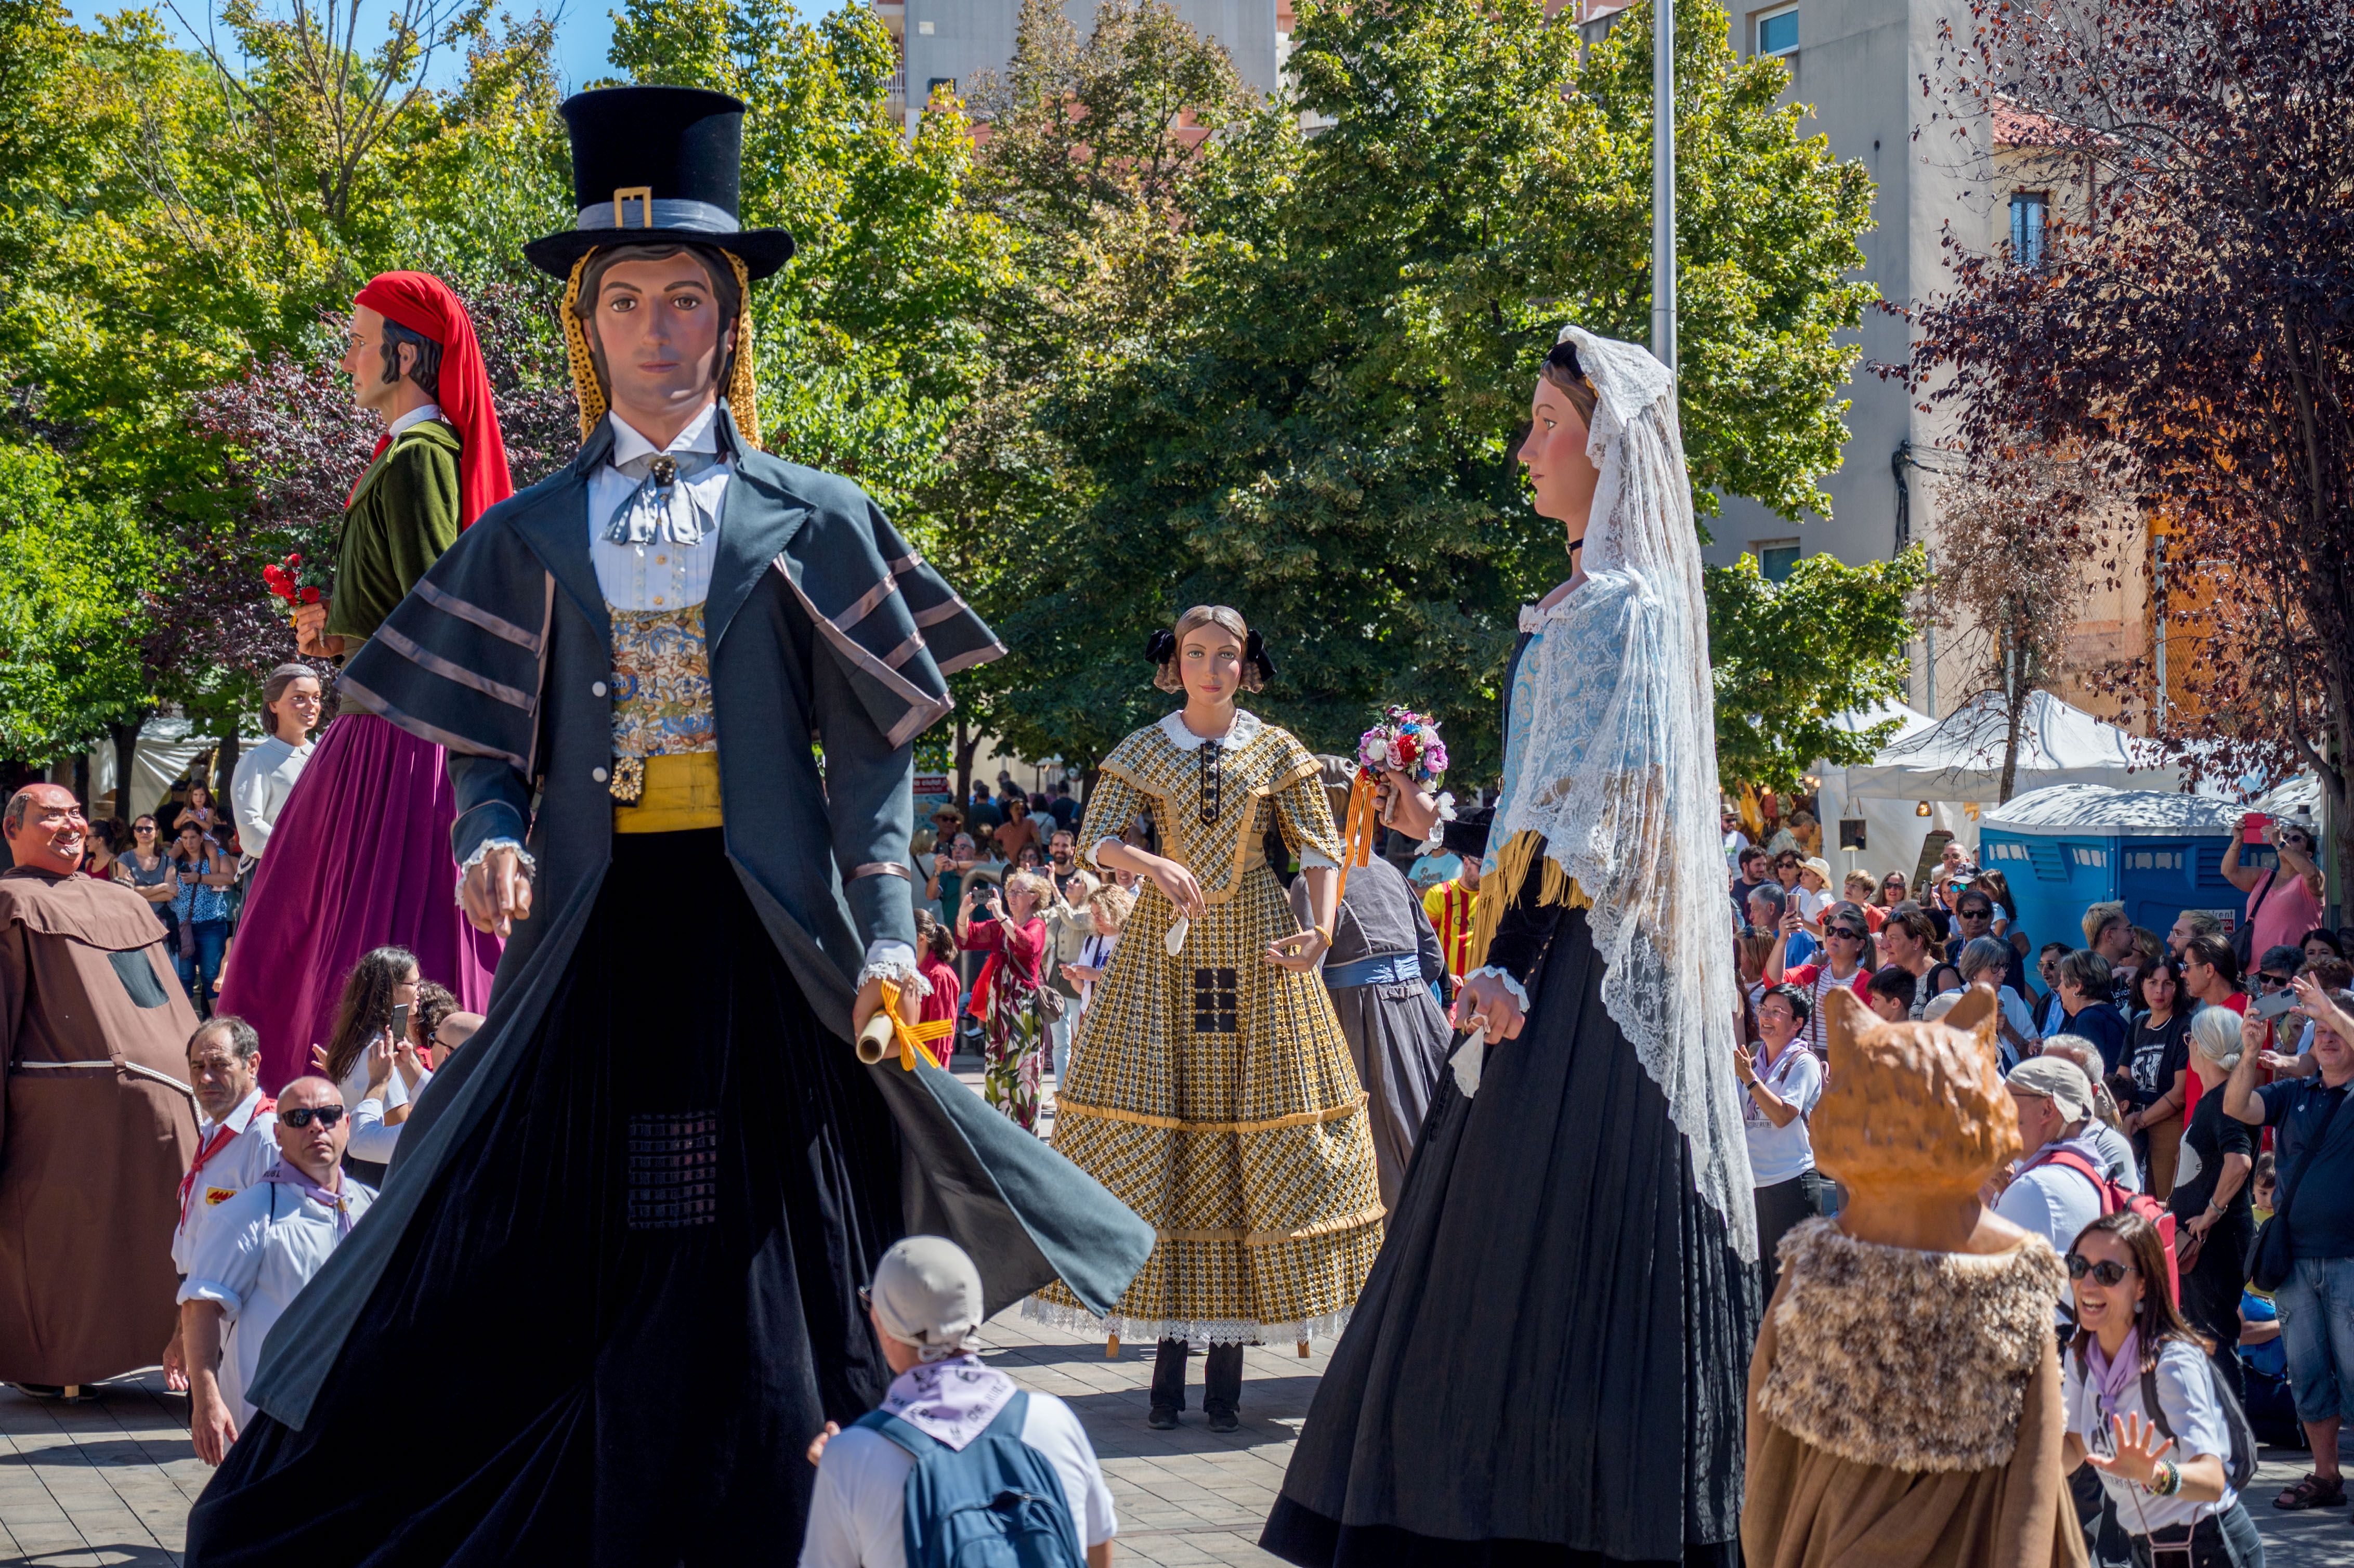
{"points": [[1449, 905]]}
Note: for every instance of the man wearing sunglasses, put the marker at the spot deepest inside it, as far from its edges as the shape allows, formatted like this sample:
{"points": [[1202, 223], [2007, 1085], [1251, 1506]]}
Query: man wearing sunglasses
{"points": [[256, 1253]]}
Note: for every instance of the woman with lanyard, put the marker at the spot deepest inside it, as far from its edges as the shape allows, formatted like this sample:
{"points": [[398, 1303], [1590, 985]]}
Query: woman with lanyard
{"points": [[2141, 1405], [1780, 1081]]}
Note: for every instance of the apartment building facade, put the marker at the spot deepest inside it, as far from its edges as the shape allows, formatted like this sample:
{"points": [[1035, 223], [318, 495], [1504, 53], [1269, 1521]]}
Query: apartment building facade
{"points": [[944, 42]]}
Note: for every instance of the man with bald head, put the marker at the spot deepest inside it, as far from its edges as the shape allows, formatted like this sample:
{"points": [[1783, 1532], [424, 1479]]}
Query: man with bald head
{"points": [[257, 1252], [96, 1121]]}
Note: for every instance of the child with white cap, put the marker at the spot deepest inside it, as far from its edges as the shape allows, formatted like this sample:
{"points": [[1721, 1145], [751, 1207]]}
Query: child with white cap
{"points": [[949, 1427]]}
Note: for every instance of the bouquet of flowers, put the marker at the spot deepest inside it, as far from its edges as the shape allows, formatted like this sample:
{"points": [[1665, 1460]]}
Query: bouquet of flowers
{"points": [[1409, 743], [290, 580]]}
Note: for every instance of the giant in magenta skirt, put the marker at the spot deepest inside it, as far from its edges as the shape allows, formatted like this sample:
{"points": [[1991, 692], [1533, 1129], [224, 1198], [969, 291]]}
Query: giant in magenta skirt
{"points": [[359, 859]]}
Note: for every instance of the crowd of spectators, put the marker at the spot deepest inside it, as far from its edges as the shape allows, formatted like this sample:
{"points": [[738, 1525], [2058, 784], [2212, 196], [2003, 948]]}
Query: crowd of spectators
{"points": [[2193, 1075]]}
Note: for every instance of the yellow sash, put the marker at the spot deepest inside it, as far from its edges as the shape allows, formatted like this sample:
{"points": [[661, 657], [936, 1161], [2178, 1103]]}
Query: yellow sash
{"points": [[681, 793]]}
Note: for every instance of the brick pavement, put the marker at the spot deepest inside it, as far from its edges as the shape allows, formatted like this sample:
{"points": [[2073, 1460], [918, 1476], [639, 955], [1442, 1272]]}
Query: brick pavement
{"points": [[109, 1482]]}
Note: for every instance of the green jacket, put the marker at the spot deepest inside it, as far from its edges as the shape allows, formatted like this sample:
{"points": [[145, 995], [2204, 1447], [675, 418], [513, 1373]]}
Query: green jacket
{"points": [[402, 516]]}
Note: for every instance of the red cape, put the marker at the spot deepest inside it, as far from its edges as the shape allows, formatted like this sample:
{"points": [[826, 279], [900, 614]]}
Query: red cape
{"points": [[424, 303]]}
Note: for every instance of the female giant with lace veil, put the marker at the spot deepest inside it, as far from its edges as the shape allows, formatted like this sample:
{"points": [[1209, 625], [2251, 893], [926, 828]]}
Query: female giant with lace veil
{"points": [[1551, 1347]]}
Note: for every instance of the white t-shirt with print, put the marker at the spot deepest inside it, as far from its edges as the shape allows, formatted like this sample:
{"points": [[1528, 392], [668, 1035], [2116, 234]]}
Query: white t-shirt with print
{"points": [[2191, 1412]]}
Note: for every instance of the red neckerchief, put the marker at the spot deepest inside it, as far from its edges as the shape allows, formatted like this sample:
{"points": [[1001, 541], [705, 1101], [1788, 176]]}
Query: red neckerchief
{"points": [[223, 1136]]}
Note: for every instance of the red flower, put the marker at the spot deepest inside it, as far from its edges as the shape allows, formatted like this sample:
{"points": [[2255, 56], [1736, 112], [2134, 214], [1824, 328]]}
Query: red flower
{"points": [[294, 560], [310, 596]]}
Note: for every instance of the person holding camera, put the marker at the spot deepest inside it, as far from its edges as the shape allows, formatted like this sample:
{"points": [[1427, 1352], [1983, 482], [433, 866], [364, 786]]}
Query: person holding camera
{"points": [[1007, 1000], [2285, 902]]}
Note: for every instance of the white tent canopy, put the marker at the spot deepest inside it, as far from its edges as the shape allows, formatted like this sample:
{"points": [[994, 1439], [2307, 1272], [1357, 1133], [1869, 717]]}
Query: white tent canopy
{"points": [[1892, 832], [1959, 758], [2096, 809], [164, 748]]}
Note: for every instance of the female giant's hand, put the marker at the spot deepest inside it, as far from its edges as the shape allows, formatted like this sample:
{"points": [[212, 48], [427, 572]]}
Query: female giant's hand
{"points": [[1402, 805], [1485, 1003], [1178, 883], [1299, 951]]}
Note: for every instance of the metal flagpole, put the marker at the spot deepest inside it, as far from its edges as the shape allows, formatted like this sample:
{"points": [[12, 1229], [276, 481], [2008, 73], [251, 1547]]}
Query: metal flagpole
{"points": [[1663, 183]]}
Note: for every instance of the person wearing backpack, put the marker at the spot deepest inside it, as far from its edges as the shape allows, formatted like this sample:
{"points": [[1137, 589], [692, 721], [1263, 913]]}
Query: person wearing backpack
{"points": [[958, 1467], [2146, 1411]]}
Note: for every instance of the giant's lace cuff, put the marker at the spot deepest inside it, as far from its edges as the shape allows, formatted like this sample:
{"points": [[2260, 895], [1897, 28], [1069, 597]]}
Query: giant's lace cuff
{"points": [[1519, 992], [522, 860], [896, 962]]}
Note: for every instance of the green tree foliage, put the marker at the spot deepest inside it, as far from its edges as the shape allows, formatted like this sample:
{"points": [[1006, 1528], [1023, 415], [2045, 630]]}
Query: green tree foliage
{"points": [[1791, 657], [66, 666], [869, 340], [1322, 434], [1094, 166]]}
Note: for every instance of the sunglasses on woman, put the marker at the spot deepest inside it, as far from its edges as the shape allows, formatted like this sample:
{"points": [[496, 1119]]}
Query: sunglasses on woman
{"points": [[2107, 1271], [1849, 932], [303, 1115]]}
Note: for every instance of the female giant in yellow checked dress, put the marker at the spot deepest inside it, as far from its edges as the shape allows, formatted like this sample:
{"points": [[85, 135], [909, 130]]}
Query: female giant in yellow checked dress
{"points": [[1211, 1091]]}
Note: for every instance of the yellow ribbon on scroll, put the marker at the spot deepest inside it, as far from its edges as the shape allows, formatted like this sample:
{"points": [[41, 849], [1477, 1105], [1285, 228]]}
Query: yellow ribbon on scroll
{"points": [[886, 1028]]}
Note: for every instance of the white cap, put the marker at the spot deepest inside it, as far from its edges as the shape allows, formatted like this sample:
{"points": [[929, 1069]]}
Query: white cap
{"points": [[926, 1293]]}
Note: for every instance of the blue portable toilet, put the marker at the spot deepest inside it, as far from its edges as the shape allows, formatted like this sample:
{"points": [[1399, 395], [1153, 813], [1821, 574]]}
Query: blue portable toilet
{"points": [[2072, 845]]}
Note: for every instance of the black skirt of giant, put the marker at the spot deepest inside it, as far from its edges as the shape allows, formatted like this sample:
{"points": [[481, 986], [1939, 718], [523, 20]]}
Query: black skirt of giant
{"points": [[1547, 1366], [616, 1325]]}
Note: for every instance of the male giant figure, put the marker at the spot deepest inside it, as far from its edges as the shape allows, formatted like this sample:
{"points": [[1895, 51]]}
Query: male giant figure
{"points": [[614, 1272], [95, 1123]]}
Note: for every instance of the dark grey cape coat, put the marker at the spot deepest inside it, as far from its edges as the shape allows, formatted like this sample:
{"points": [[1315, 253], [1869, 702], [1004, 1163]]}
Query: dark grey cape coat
{"points": [[825, 630], [1395, 1030]]}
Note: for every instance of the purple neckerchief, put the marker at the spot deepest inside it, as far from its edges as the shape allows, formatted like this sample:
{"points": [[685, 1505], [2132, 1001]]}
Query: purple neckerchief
{"points": [[2110, 1378], [953, 1401], [285, 1175]]}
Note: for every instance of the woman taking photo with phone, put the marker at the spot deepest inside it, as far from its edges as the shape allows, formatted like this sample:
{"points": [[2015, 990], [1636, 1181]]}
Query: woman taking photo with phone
{"points": [[1006, 999], [2142, 1406]]}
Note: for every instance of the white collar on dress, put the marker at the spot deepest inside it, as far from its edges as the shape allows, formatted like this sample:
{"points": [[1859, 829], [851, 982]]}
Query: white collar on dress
{"points": [[1244, 730], [701, 435], [416, 416]]}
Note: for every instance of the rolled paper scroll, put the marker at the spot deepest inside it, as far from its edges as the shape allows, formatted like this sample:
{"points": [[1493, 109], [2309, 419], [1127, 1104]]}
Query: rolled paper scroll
{"points": [[1175, 940]]}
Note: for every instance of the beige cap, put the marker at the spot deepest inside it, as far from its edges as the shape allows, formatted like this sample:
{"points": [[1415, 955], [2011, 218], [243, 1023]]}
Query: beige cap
{"points": [[926, 1293], [2058, 1080]]}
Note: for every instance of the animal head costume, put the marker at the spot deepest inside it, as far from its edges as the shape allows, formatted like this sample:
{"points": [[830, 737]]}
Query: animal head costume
{"points": [[1913, 1107]]}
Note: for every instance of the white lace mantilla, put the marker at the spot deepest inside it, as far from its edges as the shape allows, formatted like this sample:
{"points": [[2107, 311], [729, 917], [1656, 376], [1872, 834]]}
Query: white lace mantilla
{"points": [[1612, 758]]}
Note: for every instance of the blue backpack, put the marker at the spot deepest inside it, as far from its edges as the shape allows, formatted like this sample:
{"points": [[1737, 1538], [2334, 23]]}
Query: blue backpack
{"points": [[995, 1503]]}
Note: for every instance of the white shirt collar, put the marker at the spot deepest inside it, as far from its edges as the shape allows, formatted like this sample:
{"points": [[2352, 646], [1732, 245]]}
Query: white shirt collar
{"points": [[413, 417], [701, 435], [1244, 730]]}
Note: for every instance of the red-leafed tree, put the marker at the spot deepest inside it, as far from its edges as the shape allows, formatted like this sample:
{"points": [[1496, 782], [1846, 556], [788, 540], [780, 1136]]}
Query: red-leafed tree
{"points": [[2190, 329], [297, 445]]}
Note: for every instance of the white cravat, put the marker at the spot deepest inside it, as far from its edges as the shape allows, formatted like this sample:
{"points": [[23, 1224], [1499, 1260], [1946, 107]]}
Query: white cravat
{"points": [[416, 416], [660, 574]]}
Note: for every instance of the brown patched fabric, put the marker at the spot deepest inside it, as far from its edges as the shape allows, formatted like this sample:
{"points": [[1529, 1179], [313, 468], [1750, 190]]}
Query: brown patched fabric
{"points": [[97, 1124], [1904, 1411]]}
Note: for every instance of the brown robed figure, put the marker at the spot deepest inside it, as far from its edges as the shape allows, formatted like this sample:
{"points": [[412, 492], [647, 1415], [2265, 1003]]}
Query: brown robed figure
{"points": [[97, 1122]]}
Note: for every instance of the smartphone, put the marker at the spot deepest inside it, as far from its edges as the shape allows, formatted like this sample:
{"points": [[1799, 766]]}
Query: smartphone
{"points": [[2251, 827], [398, 1027], [2273, 1004]]}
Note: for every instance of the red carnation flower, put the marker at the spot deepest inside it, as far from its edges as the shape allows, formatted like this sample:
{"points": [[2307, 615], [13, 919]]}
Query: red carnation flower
{"points": [[310, 596]]}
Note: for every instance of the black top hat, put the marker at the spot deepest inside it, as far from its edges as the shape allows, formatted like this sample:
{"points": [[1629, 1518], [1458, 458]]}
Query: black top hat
{"points": [[1467, 835], [657, 163]]}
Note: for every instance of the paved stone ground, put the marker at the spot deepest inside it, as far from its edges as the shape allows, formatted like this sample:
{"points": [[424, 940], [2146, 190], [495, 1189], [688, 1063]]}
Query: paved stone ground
{"points": [[110, 1481]]}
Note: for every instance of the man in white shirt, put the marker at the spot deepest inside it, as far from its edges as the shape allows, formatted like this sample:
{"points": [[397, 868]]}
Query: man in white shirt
{"points": [[2047, 1196], [256, 1253], [236, 1142], [265, 776], [926, 1305]]}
